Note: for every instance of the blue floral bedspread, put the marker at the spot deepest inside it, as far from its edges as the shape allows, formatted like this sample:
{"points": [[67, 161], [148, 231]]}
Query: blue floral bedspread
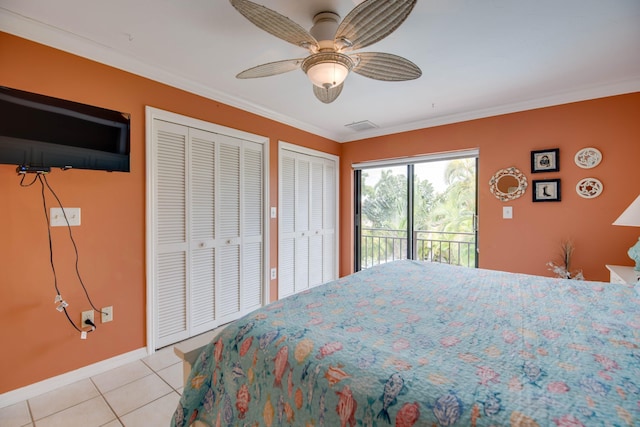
{"points": [[425, 344]]}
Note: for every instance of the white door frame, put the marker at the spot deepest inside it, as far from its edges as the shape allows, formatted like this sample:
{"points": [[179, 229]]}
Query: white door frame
{"points": [[151, 114]]}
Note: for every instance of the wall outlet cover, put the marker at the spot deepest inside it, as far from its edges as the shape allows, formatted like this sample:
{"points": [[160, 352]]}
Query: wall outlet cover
{"points": [[107, 314], [87, 315]]}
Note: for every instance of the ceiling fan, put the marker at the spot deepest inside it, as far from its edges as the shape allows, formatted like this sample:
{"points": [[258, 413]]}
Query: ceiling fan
{"points": [[329, 42]]}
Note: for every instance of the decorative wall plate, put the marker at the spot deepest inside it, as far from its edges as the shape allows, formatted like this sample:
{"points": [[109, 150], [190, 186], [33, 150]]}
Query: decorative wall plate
{"points": [[589, 188], [588, 157]]}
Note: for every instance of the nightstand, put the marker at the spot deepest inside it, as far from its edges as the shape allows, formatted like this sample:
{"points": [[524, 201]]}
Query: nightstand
{"points": [[622, 274]]}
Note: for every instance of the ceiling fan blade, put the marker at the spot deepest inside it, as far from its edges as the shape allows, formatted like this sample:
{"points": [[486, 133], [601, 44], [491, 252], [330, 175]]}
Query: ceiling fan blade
{"points": [[270, 69], [385, 66], [275, 24], [371, 21], [327, 95]]}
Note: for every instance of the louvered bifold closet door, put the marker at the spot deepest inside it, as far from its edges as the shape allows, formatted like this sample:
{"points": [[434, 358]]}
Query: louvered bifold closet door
{"points": [[228, 301], [316, 215], [202, 176], [303, 166], [170, 202], [307, 227], [287, 224], [252, 287], [329, 257]]}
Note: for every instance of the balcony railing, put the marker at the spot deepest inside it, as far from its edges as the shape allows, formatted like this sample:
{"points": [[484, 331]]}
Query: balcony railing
{"points": [[381, 245]]}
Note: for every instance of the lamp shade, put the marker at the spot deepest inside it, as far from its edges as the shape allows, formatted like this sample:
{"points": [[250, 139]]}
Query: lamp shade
{"points": [[327, 74], [327, 69], [631, 216]]}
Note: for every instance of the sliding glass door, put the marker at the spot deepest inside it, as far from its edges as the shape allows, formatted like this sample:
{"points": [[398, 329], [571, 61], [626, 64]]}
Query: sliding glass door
{"points": [[423, 210], [383, 206]]}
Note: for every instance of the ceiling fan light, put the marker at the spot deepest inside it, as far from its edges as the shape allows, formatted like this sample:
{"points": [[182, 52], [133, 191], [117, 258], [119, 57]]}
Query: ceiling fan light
{"points": [[327, 74], [327, 69]]}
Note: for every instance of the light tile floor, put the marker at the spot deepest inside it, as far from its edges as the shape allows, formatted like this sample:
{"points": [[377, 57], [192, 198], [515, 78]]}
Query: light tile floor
{"points": [[141, 393]]}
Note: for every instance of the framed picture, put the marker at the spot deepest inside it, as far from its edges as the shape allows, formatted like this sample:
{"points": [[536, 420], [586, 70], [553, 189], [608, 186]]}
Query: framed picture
{"points": [[546, 190], [545, 160]]}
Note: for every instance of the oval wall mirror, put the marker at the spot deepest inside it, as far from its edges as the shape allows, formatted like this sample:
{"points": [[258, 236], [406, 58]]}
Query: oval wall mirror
{"points": [[508, 184]]}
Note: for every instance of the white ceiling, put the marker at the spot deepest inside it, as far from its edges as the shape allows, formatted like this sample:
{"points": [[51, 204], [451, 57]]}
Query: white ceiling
{"points": [[478, 57]]}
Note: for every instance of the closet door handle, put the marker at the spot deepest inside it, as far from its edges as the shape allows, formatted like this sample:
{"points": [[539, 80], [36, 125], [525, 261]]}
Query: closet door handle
{"points": [[202, 244]]}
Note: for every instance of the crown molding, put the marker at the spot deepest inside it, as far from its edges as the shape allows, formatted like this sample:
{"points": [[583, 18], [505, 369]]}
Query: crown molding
{"points": [[583, 94]]}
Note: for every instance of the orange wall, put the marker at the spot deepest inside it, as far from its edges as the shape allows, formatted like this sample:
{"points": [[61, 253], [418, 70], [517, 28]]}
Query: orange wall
{"points": [[532, 238], [111, 239]]}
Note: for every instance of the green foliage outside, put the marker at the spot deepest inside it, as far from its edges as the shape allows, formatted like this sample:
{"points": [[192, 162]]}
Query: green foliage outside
{"points": [[439, 217]]}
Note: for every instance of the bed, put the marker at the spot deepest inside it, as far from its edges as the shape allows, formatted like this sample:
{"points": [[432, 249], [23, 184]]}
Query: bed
{"points": [[413, 343]]}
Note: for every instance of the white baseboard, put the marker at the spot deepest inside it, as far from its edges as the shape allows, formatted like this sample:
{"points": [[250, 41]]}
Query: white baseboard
{"points": [[27, 392]]}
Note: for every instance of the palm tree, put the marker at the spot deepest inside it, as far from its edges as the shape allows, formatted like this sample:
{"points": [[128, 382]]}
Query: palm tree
{"points": [[384, 209], [455, 211]]}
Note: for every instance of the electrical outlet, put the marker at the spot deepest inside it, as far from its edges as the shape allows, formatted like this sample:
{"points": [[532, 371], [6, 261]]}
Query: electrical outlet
{"points": [[87, 315], [107, 314], [274, 273]]}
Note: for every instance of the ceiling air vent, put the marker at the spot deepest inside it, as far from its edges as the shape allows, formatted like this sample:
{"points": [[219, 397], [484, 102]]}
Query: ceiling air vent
{"points": [[360, 126]]}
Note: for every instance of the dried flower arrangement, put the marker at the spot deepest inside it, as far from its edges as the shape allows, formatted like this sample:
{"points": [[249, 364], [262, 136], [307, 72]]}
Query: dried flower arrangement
{"points": [[563, 268]]}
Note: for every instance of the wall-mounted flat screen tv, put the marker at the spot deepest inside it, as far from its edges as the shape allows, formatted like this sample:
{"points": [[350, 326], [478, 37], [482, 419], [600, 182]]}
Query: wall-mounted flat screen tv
{"points": [[39, 131]]}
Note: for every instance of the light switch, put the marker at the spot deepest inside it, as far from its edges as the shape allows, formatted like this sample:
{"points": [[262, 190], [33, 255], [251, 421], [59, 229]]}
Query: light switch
{"points": [[273, 212], [507, 212], [58, 220]]}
